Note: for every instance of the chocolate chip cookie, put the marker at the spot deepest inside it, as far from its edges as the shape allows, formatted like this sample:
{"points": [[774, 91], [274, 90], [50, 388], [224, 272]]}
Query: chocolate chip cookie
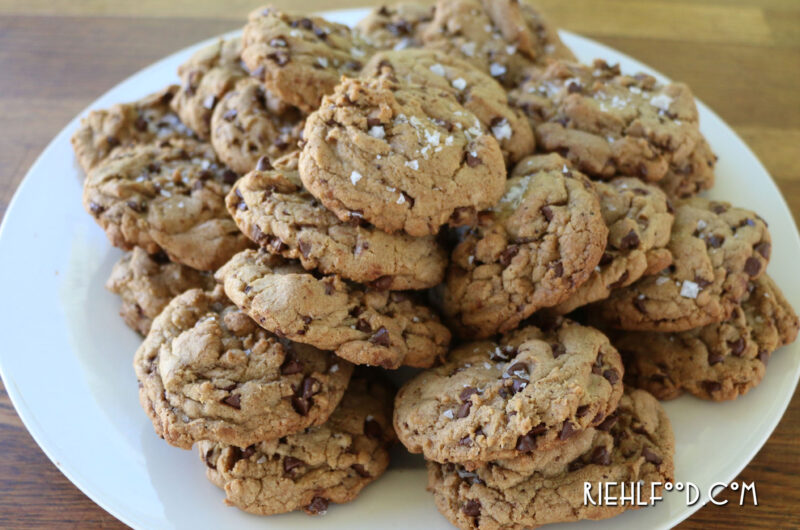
{"points": [[274, 210], [146, 283], [530, 251], [168, 195], [310, 469], [533, 390], [361, 324], [500, 37], [123, 125], [205, 78], [397, 26], [719, 361], [609, 124], [474, 89], [402, 157], [250, 123], [717, 250], [639, 221], [636, 445], [207, 372], [300, 58]]}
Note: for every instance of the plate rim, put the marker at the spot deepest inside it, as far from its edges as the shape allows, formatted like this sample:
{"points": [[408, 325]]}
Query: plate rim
{"points": [[28, 418]]}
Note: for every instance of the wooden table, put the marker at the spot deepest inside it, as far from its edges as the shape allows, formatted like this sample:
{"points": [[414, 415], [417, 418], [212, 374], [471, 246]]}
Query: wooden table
{"points": [[742, 57]]}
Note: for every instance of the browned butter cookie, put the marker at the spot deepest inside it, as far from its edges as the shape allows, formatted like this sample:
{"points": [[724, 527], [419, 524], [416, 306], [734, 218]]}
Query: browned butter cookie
{"points": [[310, 469], [361, 324], [206, 371]]}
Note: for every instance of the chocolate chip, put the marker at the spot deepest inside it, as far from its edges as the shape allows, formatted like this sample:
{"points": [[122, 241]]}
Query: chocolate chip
{"points": [[463, 410], [140, 124], [473, 161], [639, 304], [714, 241], [310, 387], [607, 423], [290, 463], [702, 282], [318, 505], [96, 209], [715, 358], [359, 469], [736, 346], [517, 385], [305, 248], [582, 411], [136, 207], [547, 212], [472, 508], [465, 442], [630, 241], [209, 459], [651, 457], [328, 287], [558, 350], [112, 141], [383, 283], [381, 337], [712, 386], [230, 115], [279, 58], [567, 430], [558, 268], [517, 367], [763, 356], [301, 405], [229, 177], [611, 375], [600, 456], [363, 326], [465, 394], [574, 87], [718, 208], [527, 442], [763, 248], [621, 281], [752, 266], [233, 400], [373, 429], [263, 164], [508, 254]]}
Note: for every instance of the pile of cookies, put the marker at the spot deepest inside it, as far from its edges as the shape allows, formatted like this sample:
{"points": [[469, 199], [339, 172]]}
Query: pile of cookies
{"points": [[313, 206]]}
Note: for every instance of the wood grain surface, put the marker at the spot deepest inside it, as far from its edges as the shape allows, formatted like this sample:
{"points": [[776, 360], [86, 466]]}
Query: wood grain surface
{"points": [[741, 57]]}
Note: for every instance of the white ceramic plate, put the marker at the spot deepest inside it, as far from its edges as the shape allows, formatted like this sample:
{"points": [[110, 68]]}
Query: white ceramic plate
{"points": [[66, 358]]}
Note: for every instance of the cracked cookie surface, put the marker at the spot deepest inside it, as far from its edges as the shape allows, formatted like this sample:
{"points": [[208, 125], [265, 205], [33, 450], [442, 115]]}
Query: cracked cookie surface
{"points": [[308, 470], [717, 249], [639, 221], [611, 124], [275, 211], [500, 37], [300, 58], [146, 284], [360, 324], [532, 250], [638, 445], [402, 157], [208, 372], [719, 361], [205, 78], [250, 123], [474, 89], [397, 26], [169, 196], [104, 131], [532, 391]]}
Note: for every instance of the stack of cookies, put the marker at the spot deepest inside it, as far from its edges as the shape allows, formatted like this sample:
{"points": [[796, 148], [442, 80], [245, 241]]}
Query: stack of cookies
{"points": [[314, 206]]}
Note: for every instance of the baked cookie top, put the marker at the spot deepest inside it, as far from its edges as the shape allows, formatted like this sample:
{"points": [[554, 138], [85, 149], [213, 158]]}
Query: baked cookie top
{"points": [[167, 195], [274, 210], [474, 89], [402, 157], [501, 37], [300, 58], [532, 250], [397, 26], [533, 390], [205, 78], [146, 283], [635, 445], [311, 468], [124, 125], [361, 324], [717, 249], [609, 124], [718, 361], [207, 372], [639, 219], [250, 123]]}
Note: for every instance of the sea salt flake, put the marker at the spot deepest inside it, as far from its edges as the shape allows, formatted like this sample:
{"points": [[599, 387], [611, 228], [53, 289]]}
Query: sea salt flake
{"points": [[334, 369], [377, 131], [661, 280], [357, 52], [511, 49], [468, 49], [459, 83], [401, 199], [701, 224], [448, 414], [689, 289], [438, 69], [413, 164], [497, 69], [502, 131], [661, 101], [355, 176], [322, 61]]}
